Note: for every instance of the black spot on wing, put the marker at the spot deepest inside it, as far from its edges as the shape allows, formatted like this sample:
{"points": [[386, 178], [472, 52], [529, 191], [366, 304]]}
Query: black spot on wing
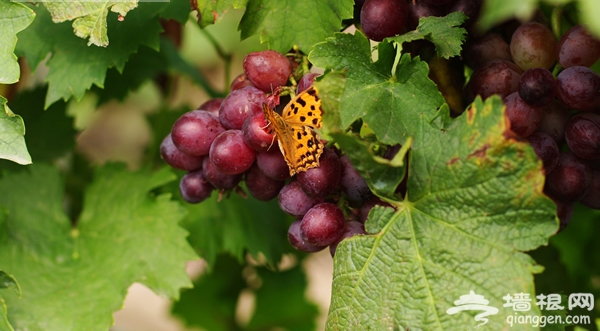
{"points": [[302, 119], [315, 121], [301, 102]]}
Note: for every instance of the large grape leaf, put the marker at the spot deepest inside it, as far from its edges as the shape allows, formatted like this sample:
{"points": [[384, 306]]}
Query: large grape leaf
{"points": [[6, 281], [390, 103], [14, 17], [89, 17], [474, 203], [12, 130], [238, 225], [74, 66], [283, 24], [75, 277], [211, 11]]}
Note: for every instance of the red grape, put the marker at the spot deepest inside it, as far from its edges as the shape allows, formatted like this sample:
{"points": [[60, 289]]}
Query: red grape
{"points": [[583, 135], [194, 187], [230, 154], [488, 48], [273, 164], [256, 134], [533, 45], [322, 224], [194, 132], [524, 119], [297, 242], [267, 70], [212, 106], [306, 81], [546, 149], [555, 117], [421, 9], [351, 229], [322, 181], [352, 183], [577, 47], [239, 105], [537, 87], [176, 158], [217, 178], [579, 88], [294, 201], [570, 179], [240, 81], [496, 77], [260, 186], [383, 18]]}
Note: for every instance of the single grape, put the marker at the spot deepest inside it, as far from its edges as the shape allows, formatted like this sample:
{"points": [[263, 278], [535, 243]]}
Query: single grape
{"points": [[322, 224], [577, 47], [256, 134], [351, 229], [383, 18], [488, 48], [176, 158], [564, 211], [217, 178], [555, 117], [212, 106], [230, 154], [194, 187], [322, 181], [533, 45], [570, 179], [524, 119], [352, 183], [537, 87], [260, 186], [239, 82], [297, 242], [273, 164], [579, 88], [417, 10], [239, 105], [306, 81], [471, 8], [194, 132], [294, 201], [496, 77], [583, 135], [366, 208], [267, 70], [592, 197], [546, 149]]}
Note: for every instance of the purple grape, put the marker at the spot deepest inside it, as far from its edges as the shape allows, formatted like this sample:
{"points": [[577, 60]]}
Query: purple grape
{"points": [[496, 77], [294, 201], [383, 18], [524, 119], [194, 187], [537, 87], [471, 8], [577, 47], [579, 88], [297, 242], [533, 45], [239, 105], [212, 106], [239, 82], [554, 119], [352, 183], [260, 186], [421, 9], [570, 179], [564, 211], [273, 164], [306, 81], [230, 154], [546, 149], [592, 197], [256, 134], [178, 159], [217, 178], [322, 181], [322, 224], [267, 70], [194, 132], [583, 135], [351, 229], [488, 48]]}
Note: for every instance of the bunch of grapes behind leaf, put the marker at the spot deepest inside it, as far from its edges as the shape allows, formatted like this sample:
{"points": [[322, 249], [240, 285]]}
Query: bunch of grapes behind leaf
{"points": [[229, 140], [551, 95]]}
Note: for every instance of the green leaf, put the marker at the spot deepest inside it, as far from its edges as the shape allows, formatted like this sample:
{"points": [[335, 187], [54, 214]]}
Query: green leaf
{"points": [[12, 130], [281, 303], [392, 105], [474, 203], [496, 11], [76, 277], [588, 11], [75, 67], [14, 17], [89, 17], [331, 88], [283, 24], [238, 225], [381, 176], [211, 11], [212, 303], [443, 32]]}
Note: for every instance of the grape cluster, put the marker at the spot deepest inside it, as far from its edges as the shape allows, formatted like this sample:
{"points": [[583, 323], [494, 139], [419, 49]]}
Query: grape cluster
{"points": [[559, 116], [227, 140], [380, 19]]}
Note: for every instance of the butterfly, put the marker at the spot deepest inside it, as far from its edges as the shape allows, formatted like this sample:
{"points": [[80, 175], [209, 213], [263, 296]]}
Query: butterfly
{"points": [[298, 142]]}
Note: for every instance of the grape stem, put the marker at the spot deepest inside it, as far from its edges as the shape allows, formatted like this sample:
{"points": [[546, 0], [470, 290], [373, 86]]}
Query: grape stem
{"points": [[225, 56], [555, 20]]}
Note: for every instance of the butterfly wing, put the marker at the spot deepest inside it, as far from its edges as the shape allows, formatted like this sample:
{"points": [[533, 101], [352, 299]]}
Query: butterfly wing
{"points": [[304, 109]]}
